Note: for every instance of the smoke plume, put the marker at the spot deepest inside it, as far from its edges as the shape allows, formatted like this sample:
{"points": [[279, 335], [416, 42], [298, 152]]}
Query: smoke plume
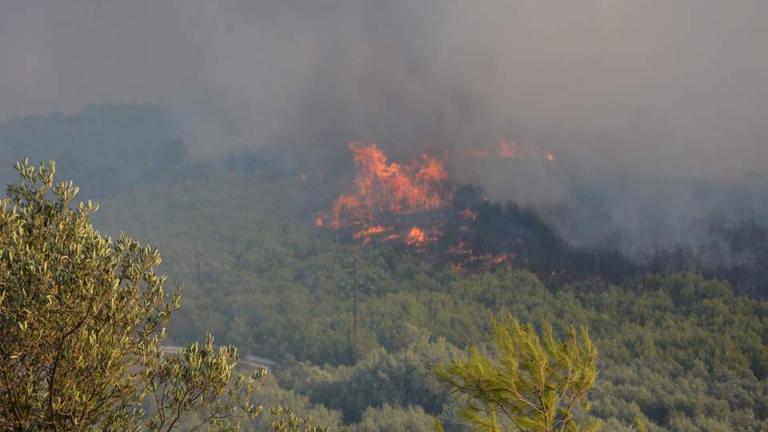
{"points": [[649, 94]]}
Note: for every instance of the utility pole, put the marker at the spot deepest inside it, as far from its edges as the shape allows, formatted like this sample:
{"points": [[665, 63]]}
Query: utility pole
{"points": [[354, 311]]}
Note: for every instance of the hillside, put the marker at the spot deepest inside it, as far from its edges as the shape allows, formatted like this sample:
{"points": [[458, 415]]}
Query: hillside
{"points": [[678, 351]]}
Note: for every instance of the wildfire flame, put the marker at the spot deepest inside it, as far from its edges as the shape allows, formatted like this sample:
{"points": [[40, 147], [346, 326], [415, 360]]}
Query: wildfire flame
{"points": [[366, 234], [391, 202], [416, 236], [381, 186]]}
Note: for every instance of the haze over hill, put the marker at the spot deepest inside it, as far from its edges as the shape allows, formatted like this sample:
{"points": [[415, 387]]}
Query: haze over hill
{"points": [[653, 88], [647, 107]]}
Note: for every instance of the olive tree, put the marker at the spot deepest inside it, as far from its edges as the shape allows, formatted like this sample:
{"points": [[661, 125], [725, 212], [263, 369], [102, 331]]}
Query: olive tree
{"points": [[530, 383], [82, 320]]}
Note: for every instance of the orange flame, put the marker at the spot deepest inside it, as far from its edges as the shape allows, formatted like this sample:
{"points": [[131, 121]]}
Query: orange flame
{"points": [[384, 191], [381, 186], [366, 234], [415, 237]]}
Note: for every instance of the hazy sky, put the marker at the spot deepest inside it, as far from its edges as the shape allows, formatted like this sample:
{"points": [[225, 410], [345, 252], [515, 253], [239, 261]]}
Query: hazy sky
{"points": [[653, 86]]}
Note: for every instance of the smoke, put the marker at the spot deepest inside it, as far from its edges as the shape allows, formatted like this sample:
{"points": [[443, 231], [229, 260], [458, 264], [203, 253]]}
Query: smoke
{"points": [[628, 90]]}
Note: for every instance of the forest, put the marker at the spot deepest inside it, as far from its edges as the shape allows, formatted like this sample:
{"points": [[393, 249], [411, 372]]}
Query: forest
{"points": [[682, 340]]}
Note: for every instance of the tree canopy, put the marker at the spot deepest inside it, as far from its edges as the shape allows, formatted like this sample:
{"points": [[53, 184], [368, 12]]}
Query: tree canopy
{"points": [[82, 320], [536, 383]]}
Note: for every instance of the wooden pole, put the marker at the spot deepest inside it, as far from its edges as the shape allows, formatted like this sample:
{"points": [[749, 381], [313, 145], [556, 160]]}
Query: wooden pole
{"points": [[354, 312]]}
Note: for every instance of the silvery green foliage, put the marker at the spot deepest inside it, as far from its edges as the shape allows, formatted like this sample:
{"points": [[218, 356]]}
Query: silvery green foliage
{"points": [[82, 319]]}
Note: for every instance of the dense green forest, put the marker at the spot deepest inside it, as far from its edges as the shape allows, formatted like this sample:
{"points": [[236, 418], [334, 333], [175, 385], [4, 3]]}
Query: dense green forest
{"points": [[677, 351]]}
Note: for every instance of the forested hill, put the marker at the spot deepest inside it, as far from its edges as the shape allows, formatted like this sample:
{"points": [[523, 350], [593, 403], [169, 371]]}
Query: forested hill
{"points": [[107, 148], [678, 351]]}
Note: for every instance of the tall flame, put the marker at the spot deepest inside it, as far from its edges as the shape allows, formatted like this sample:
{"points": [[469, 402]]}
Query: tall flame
{"points": [[387, 203], [391, 202], [382, 186]]}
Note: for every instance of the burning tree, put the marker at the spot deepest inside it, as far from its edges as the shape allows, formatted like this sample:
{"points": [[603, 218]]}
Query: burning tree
{"points": [[383, 192], [416, 207]]}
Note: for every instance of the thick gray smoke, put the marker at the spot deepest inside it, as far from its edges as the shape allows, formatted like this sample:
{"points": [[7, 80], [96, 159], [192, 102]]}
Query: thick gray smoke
{"points": [[615, 88]]}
